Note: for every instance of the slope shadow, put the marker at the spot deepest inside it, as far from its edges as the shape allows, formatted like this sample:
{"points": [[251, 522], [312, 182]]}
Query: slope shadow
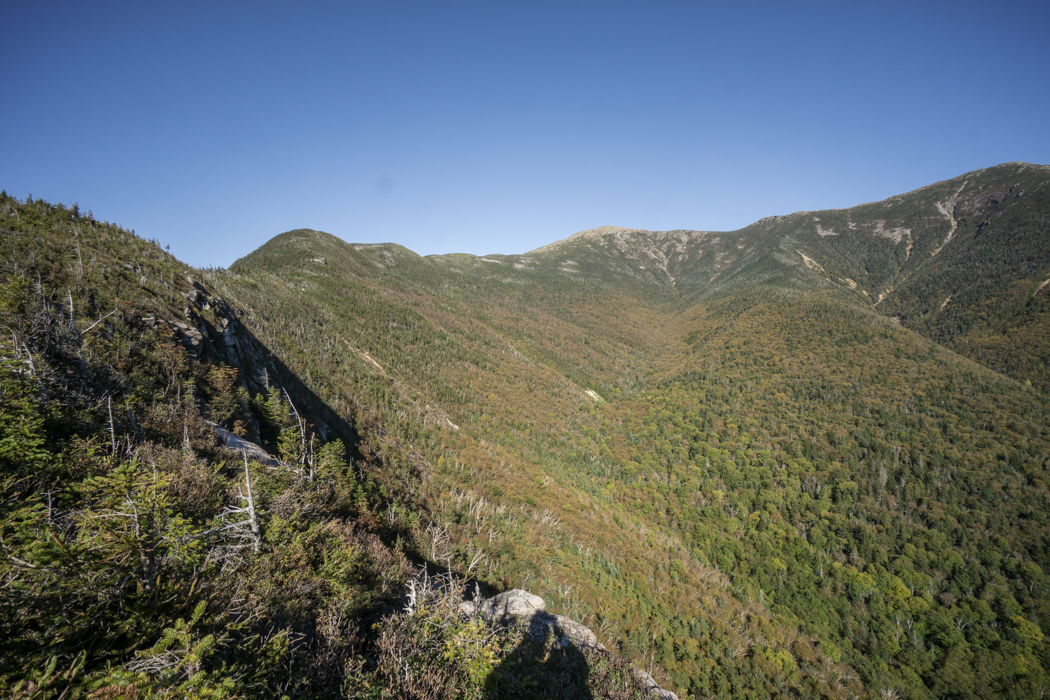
{"points": [[543, 665], [259, 367]]}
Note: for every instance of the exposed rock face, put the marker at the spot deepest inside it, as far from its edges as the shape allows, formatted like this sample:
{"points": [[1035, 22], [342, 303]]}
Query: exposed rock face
{"points": [[235, 443], [654, 689], [570, 630], [521, 605], [190, 338], [220, 333], [210, 329]]}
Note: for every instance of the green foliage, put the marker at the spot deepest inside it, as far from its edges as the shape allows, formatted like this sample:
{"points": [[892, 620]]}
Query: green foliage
{"points": [[45, 683], [780, 492], [331, 460], [228, 402], [273, 416], [124, 567], [433, 650], [175, 665], [22, 435]]}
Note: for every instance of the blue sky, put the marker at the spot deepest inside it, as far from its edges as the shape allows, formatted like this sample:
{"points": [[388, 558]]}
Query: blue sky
{"points": [[498, 127]]}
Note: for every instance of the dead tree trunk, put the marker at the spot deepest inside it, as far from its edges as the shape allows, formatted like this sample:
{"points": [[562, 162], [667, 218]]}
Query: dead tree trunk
{"points": [[253, 521]]}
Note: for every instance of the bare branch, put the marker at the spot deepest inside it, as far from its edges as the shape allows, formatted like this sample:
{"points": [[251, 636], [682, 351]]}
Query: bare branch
{"points": [[98, 321]]}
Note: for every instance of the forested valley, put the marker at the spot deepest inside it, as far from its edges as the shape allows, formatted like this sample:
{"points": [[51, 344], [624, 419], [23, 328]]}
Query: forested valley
{"points": [[803, 459]]}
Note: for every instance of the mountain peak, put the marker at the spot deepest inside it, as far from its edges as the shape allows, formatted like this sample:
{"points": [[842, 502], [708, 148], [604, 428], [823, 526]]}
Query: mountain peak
{"points": [[602, 231], [594, 234]]}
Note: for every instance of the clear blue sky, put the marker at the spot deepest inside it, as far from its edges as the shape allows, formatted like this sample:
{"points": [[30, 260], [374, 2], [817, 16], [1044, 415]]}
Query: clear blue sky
{"points": [[497, 127]]}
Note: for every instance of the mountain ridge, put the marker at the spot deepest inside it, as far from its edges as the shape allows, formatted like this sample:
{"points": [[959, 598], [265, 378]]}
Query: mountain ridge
{"points": [[782, 489], [891, 253]]}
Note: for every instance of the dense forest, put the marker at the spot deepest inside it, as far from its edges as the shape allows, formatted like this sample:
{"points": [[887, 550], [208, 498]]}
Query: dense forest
{"points": [[772, 462]]}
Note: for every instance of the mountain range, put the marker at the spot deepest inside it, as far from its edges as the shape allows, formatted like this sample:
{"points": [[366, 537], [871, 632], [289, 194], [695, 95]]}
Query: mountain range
{"points": [[806, 458]]}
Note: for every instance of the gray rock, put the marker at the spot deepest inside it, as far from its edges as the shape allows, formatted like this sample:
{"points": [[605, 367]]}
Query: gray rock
{"points": [[236, 443], [652, 686], [190, 338], [572, 631], [513, 603], [522, 605]]}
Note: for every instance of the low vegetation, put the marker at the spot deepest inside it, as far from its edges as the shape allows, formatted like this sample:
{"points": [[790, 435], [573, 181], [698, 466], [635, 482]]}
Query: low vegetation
{"points": [[737, 468]]}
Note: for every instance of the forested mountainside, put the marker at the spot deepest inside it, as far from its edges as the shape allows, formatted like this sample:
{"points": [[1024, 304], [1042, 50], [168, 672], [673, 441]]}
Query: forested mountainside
{"points": [[144, 558], [964, 262], [807, 458]]}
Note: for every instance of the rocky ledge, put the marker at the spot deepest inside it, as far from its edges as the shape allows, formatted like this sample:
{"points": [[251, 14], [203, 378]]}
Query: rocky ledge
{"points": [[518, 605]]}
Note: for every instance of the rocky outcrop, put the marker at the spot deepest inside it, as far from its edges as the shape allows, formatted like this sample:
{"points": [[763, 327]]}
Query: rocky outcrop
{"points": [[236, 443], [190, 338], [651, 685], [512, 604], [518, 605]]}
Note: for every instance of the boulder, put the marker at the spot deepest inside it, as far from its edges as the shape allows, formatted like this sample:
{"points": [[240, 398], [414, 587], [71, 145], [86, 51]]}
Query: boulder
{"points": [[570, 631], [653, 688], [517, 604], [513, 603], [236, 443]]}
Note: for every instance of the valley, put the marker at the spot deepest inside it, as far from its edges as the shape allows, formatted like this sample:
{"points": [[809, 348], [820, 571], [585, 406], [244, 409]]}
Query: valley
{"points": [[807, 458]]}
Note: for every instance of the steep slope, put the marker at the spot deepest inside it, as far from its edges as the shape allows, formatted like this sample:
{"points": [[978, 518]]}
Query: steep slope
{"points": [[741, 458], [860, 478], [144, 554], [130, 564], [517, 353], [964, 261], [767, 460], [960, 261]]}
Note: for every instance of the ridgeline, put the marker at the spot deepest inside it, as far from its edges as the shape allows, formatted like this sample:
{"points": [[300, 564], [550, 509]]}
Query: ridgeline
{"points": [[806, 459]]}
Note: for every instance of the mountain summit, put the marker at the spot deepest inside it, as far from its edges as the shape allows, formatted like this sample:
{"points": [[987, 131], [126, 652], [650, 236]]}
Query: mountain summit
{"points": [[962, 261]]}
